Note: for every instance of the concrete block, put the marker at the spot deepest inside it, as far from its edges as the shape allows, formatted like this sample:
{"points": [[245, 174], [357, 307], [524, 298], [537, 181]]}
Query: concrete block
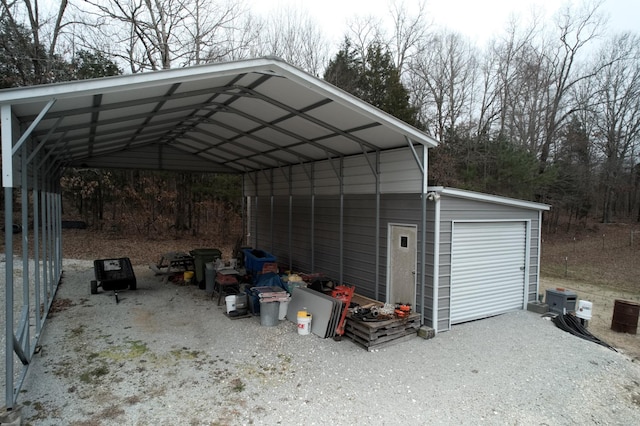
{"points": [[426, 332], [538, 307]]}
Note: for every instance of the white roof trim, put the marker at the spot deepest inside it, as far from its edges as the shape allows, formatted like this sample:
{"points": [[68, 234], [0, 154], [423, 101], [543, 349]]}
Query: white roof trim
{"points": [[495, 199]]}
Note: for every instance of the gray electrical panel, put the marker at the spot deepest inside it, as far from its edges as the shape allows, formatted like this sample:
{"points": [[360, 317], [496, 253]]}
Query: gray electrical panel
{"points": [[560, 301]]}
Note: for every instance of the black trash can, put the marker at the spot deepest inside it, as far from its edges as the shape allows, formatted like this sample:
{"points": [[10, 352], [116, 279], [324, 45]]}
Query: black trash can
{"points": [[200, 258]]}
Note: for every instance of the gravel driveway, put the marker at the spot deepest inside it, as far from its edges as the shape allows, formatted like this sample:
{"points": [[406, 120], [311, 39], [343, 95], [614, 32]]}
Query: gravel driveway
{"points": [[166, 354]]}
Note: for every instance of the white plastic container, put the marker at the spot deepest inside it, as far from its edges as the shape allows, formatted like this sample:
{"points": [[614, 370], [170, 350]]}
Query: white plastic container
{"points": [[284, 305], [584, 310], [231, 302]]}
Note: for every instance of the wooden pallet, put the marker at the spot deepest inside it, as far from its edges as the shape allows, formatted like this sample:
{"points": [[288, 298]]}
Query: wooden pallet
{"points": [[378, 334]]}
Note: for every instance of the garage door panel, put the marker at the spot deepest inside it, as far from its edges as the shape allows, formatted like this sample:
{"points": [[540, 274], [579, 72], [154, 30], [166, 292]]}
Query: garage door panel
{"points": [[473, 269], [501, 293], [491, 309], [487, 272], [479, 268]]}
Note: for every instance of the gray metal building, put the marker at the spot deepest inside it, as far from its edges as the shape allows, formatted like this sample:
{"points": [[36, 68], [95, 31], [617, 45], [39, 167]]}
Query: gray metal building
{"points": [[479, 253], [332, 184]]}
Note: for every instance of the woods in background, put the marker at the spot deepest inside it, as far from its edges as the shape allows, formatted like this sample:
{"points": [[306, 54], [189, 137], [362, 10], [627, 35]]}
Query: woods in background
{"points": [[549, 110], [149, 202]]}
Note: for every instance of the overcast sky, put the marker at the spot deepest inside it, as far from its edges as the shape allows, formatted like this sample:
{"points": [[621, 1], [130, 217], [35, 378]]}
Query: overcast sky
{"points": [[479, 19]]}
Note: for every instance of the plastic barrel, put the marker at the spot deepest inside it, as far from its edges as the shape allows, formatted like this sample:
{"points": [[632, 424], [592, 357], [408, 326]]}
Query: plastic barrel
{"points": [[269, 313], [625, 316]]}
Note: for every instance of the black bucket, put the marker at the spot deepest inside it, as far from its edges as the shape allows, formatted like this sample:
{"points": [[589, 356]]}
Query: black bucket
{"points": [[625, 317]]}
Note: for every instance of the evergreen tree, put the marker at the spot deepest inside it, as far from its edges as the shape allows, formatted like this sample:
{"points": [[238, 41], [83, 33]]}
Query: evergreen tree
{"points": [[374, 79], [344, 70], [20, 59], [93, 65]]}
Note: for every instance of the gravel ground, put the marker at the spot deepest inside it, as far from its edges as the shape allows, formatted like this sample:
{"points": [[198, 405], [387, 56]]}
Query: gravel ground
{"points": [[166, 354]]}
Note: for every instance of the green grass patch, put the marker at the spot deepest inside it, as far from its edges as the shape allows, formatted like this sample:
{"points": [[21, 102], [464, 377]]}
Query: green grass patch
{"points": [[132, 349], [237, 385], [94, 375], [185, 353]]}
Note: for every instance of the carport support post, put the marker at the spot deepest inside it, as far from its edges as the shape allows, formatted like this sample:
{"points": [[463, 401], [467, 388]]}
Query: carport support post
{"points": [[8, 316], [423, 225], [23, 329], [423, 164], [7, 181]]}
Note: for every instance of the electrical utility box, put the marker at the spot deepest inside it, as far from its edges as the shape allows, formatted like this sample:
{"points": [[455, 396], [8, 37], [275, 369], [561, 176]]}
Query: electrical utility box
{"points": [[561, 301]]}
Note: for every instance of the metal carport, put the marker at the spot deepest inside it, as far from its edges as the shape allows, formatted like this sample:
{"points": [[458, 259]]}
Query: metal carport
{"points": [[237, 117]]}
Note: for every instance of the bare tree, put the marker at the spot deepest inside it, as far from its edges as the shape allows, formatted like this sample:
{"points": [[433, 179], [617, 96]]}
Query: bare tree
{"points": [[45, 26], [575, 31], [409, 31], [443, 73], [364, 32], [219, 31], [508, 52], [159, 34], [485, 99], [295, 37], [617, 115]]}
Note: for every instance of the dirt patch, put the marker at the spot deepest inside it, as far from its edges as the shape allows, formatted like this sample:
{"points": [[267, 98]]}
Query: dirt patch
{"points": [[603, 300], [59, 305], [600, 263]]}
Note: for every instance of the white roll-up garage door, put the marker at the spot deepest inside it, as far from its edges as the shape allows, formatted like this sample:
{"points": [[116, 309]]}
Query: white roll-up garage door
{"points": [[488, 265]]}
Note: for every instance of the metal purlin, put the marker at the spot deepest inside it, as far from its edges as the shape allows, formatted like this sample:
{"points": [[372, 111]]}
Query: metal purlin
{"points": [[255, 212], [377, 262], [247, 211], [46, 240], [271, 200]]}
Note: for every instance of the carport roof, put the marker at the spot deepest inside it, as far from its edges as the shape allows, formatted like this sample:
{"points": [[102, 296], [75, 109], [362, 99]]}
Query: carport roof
{"points": [[232, 117]]}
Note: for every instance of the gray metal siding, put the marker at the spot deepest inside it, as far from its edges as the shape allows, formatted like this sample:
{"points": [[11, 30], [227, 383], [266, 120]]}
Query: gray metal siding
{"points": [[359, 243], [398, 173], [300, 256]]}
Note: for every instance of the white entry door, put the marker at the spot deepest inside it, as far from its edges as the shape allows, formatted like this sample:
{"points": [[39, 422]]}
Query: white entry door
{"points": [[402, 262]]}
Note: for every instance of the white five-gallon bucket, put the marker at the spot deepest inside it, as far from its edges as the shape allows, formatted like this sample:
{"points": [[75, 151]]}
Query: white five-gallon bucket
{"points": [[584, 310], [304, 322], [231, 303]]}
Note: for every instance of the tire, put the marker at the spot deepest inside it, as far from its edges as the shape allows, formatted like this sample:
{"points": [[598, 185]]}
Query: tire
{"points": [[94, 287], [133, 285]]}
